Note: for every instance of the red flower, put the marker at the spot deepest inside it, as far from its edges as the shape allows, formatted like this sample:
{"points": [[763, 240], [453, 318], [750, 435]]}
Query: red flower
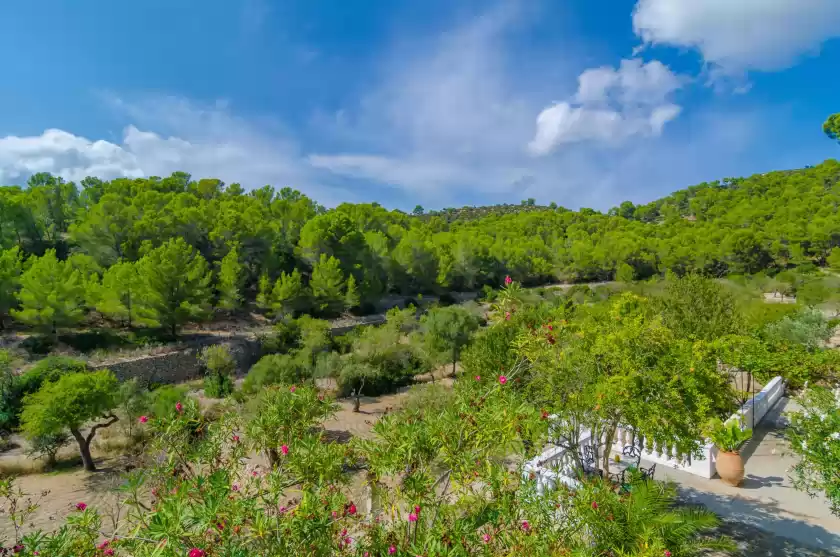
{"points": [[235, 487], [544, 415], [507, 316], [417, 509], [143, 419], [412, 517], [284, 449], [81, 506], [550, 327], [108, 551], [594, 505], [486, 538], [179, 407], [525, 525], [502, 379], [236, 439], [667, 553], [392, 550], [351, 510], [196, 552], [508, 280], [292, 389]]}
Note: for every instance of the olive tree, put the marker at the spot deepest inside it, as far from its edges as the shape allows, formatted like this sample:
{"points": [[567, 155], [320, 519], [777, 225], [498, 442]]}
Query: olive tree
{"points": [[70, 403], [449, 329]]}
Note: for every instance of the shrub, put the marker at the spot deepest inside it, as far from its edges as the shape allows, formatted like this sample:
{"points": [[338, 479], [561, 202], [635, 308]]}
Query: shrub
{"points": [[284, 337], [218, 382], [447, 299], [163, 399], [808, 328], [276, 369]]}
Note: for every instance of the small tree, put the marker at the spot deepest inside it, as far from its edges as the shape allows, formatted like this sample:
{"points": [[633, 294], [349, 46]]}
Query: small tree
{"points": [[51, 295], [47, 446], [68, 404], [264, 292], [220, 367], [449, 329], [327, 285], [833, 259], [10, 270], [175, 283], [230, 280], [351, 296], [289, 295], [119, 295], [625, 273]]}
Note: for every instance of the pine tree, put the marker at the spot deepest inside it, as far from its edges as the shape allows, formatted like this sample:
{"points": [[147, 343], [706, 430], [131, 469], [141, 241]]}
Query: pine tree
{"points": [[230, 280], [351, 296], [120, 294], [264, 292], [175, 283], [327, 285], [11, 267], [289, 294], [51, 294]]}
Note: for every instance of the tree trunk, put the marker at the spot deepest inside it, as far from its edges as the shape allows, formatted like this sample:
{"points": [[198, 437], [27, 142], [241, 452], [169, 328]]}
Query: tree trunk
{"points": [[454, 358], [84, 450], [610, 437], [273, 458]]}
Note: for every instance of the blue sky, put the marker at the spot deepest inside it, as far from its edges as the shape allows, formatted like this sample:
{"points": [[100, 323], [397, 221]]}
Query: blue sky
{"points": [[440, 102]]}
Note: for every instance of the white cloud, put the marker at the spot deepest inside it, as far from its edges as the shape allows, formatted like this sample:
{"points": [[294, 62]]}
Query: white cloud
{"points": [[63, 154], [204, 141], [610, 106], [739, 35]]}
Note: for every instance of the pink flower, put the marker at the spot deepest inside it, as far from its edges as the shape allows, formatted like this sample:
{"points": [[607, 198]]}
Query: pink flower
{"points": [[292, 389], [667, 553], [282, 510], [196, 552], [508, 280], [284, 449], [392, 550], [108, 551], [351, 510], [104, 544], [478, 378], [81, 506], [486, 538], [550, 328], [417, 509], [525, 525], [502, 379], [507, 316], [335, 514], [179, 407], [235, 487], [594, 505], [235, 439], [412, 517], [143, 419]]}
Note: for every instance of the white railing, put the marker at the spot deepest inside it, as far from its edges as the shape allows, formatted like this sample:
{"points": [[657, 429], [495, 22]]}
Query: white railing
{"points": [[556, 465]]}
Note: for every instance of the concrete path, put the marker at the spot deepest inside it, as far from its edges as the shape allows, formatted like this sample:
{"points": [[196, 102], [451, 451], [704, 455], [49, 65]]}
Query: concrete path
{"points": [[766, 501]]}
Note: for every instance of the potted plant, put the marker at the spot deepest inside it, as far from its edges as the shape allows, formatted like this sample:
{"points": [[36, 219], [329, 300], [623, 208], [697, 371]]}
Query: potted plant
{"points": [[728, 438]]}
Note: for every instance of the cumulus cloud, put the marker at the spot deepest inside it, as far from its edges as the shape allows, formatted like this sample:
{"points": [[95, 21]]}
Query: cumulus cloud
{"points": [[63, 154], [739, 35], [611, 105], [206, 141]]}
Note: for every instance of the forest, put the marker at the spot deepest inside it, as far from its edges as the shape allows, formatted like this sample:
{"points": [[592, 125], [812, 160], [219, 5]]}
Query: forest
{"points": [[166, 251]]}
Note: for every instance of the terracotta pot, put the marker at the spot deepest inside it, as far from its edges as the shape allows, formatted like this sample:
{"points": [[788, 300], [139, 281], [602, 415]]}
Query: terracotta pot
{"points": [[730, 467]]}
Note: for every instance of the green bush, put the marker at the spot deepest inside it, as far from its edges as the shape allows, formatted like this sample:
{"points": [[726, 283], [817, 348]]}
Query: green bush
{"points": [[38, 344], [162, 400], [808, 328], [284, 337], [447, 299], [217, 359], [276, 369]]}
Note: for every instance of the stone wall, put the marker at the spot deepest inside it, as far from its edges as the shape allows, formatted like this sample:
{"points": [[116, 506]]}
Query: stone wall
{"points": [[183, 365]]}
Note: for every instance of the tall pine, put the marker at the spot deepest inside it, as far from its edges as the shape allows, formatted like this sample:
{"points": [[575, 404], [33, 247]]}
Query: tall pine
{"points": [[327, 285], [230, 280], [11, 267], [289, 295], [175, 284], [51, 294], [120, 296]]}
